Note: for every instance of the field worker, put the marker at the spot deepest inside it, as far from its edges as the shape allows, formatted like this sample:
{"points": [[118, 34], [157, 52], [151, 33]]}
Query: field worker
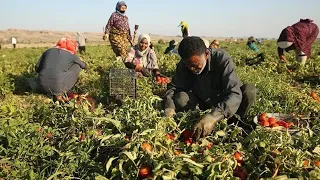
{"points": [[118, 31], [214, 44], [206, 42], [206, 78], [251, 44], [14, 42], [184, 29], [81, 40], [171, 48], [142, 58], [259, 40], [298, 37], [58, 68]]}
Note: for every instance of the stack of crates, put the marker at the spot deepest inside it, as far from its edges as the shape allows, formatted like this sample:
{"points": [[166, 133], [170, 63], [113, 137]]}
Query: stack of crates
{"points": [[122, 83]]}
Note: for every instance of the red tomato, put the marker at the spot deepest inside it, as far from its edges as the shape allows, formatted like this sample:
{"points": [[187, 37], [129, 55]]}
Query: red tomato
{"points": [[272, 120], [240, 173], [187, 134], [275, 125], [209, 146], [237, 155], [170, 136], [177, 152], [83, 136], [263, 117], [290, 124], [49, 135], [317, 163], [145, 171], [146, 147], [188, 141], [265, 123], [314, 95]]}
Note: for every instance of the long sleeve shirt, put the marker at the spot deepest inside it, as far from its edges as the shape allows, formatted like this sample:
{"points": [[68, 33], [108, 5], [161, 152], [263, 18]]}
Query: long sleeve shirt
{"points": [[149, 60], [119, 22], [54, 68], [218, 85]]}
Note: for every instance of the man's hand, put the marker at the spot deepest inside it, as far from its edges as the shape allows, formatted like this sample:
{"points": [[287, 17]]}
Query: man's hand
{"points": [[105, 37], [205, 126], [169, 112], [283, 59]]}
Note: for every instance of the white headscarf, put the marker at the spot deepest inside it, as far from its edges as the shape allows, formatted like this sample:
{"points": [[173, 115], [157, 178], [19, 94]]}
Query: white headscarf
{"points": [[143, 36], [143, 54], [206, 42]]}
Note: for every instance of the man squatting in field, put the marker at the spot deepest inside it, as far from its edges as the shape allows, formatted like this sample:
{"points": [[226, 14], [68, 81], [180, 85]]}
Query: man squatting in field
{"points": [[298, 37], [207, 78]]}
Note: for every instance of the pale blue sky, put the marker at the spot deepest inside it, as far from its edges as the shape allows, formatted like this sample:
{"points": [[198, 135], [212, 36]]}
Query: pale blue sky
{"points": [[224, 18]]}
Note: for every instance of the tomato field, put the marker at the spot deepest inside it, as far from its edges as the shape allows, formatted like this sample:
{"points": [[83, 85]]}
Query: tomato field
{"points": [[44, 139]]}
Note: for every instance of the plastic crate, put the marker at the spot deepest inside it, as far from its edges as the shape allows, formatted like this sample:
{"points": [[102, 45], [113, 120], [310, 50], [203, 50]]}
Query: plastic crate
{"points": [[122, 83]]}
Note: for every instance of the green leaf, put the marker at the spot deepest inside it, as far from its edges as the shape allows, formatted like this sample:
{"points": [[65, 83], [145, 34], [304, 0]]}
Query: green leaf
{"points": [[146, 132], [109, 163], [131, 155], [100, 178], [221, 133], [193, 162], [317, 150]]}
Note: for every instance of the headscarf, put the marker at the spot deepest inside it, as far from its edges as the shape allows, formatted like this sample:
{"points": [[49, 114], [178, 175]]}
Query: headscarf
{"points": [[301, 35], [183, 25], [143, 54], [67, 44], [119, 5], [206, 42]]}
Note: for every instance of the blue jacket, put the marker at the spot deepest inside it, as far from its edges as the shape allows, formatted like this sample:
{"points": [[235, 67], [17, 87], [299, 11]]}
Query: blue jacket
{"points": [[253, 47]]}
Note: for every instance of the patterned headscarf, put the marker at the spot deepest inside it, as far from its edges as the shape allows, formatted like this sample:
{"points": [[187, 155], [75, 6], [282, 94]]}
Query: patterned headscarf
{"points": [[67, 44], [119, 5]]}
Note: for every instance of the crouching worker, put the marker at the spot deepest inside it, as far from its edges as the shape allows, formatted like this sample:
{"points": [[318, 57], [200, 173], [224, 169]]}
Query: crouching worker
{"points": [[142, 58], [207, 78], [58, 69]]}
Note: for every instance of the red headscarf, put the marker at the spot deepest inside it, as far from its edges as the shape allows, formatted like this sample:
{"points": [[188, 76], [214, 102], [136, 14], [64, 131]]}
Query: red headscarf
{"points": [[67, 44], [302, 34]]}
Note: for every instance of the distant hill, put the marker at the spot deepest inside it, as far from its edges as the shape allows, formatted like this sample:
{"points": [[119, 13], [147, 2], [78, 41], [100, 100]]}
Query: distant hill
{"points": [[47, 36]]}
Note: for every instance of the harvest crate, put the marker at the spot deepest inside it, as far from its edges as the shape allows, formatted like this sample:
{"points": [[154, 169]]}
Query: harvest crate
{"points": [[122, 83]]}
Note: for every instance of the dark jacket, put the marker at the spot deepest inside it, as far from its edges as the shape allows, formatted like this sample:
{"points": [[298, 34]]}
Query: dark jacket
{"points": [[218, 86], [58, 70]]}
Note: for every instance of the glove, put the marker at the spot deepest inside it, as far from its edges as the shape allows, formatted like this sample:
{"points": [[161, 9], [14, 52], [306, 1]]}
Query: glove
{"points": [[169, 112], [205, 126], [145, 72], [105, 37]]}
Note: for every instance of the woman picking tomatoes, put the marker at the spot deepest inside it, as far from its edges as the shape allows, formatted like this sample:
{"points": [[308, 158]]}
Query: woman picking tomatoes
{"points": [[144, 60], [58, 68], [298, 37]]}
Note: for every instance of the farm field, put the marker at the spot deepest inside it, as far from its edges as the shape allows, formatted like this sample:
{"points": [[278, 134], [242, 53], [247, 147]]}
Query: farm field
{"points": [[43, 139]]}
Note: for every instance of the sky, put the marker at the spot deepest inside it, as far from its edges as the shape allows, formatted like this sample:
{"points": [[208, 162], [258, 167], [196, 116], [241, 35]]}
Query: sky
{"points": [[224, 18]]}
